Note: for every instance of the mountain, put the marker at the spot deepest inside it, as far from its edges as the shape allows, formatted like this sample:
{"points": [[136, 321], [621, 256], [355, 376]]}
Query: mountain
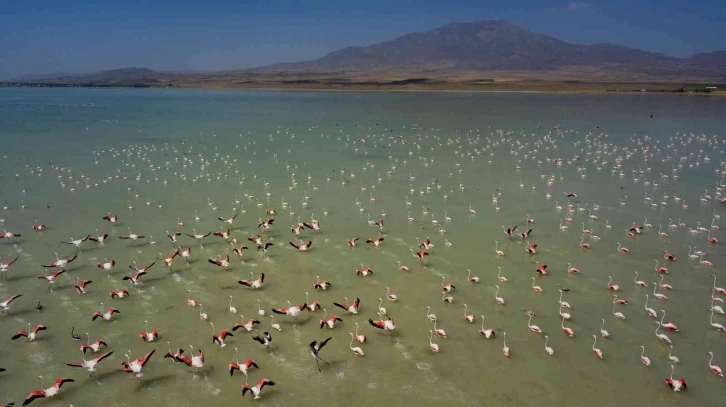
{"points": [[484, 51], [496, 45]]}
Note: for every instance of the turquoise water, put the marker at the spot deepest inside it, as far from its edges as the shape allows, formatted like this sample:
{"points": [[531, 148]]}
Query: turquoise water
{"points": [[160, 157]]}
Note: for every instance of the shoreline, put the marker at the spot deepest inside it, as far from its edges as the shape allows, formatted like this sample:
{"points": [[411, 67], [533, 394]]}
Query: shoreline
{"points": [[450, 87]]}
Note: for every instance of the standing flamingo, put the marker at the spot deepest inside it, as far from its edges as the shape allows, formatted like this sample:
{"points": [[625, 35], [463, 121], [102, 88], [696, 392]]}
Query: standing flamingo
{"points": [[595, 350], [715, 369], [433, 346], [505, 348], [643, 358], [549, 350]]}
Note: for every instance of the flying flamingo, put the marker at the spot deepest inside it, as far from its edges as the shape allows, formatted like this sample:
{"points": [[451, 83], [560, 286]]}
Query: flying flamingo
{"points": [[50, 392], [60, 263], [254, 284], [420, 254], [595, 350], [221, 262], [149, 336], [5, 305], [256, 389], [119, 294], [106, 315], [249, 326], [90, 365], [242, 367], [135, 366], [50, 278], [385, 324], [30, 334], [290, 310], [95, 346], [4, 266], [112, 219], [676, 385], [352, 308], [132, 236], [107, 265], [219, 339], [715, 369], [198, 236]]}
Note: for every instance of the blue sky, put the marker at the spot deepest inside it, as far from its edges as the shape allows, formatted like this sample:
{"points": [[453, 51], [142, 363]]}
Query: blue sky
{"points": [[43, 36]]}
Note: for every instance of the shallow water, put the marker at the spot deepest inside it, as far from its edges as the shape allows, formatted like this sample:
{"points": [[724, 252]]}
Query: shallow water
{"points": [[81, 153]]}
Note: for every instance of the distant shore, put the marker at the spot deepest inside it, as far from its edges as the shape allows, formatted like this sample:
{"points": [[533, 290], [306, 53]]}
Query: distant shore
{"points": [[413, 85]]}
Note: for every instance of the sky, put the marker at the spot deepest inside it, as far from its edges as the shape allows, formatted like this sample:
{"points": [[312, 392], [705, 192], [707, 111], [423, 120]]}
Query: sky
{"points": [[50, 36]]}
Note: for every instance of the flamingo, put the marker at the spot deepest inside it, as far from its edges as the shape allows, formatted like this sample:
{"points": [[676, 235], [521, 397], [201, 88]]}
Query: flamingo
{"points": [[232, 309], [359, 338], [202, 315], [60, 263], [715, 369], [571, 269], [671, 358], [30, 334], [290, 310], [311, 306], [661, 269], [242, 367], [639, 283], [149, 336], [584, 245], [95, 346], [603, 332], [386, 325], [323, 285], [256, 389], [564, 315], [499, 299], [433, 346], [617, 301], [568, 331], [662, 337], [643, 358], [50, 392], [132, 236], [500, 277], [536, 288], [716, 325], [248, 326], [716, 308], [264, 340], [533, 328], [4, 266], [719, 290], [90, 365], [50, 278], [473, 279], [549, 350], [352, 308], [439, 332], [420, 254], [658, 295], [595, 350], [219, 261], [446, 287], [198, 236], [467, 317], [106, 315], [356, 350], [496, 249], [505, 348], [676, 385], [563, 303], [668, 325], [219, 339], [254, 284], [119, 294], [487, 333], [617, 314], [622, 249], [611, 286], [137, 364], [401, 267]]}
